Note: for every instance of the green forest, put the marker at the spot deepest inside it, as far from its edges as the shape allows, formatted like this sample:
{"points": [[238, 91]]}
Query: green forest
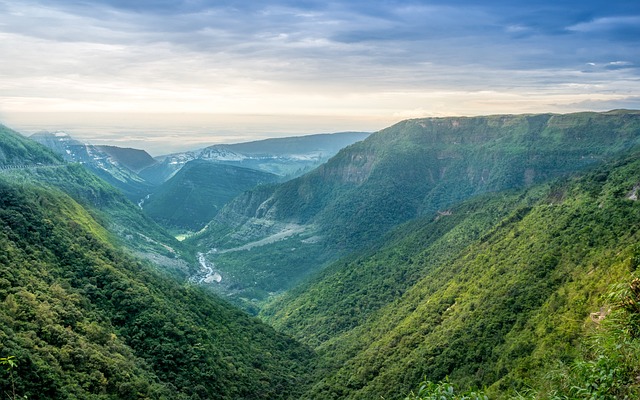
{"points": [[445, 258], [82, 319]]}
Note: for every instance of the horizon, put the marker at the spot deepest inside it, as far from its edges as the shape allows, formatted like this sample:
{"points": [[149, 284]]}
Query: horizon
{"points": [[158, 145], [168, 76]]}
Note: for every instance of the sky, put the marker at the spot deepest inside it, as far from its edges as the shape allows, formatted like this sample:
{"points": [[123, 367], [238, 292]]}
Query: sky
{"points": [[171, 75]]}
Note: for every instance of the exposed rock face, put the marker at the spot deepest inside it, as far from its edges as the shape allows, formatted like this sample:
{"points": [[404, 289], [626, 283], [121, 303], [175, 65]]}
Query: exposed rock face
{"points": [[419, 167]]}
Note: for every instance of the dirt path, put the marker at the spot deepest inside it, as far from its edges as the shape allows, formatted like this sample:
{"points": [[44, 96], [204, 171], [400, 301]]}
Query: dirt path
{"points": [[289, 230]]}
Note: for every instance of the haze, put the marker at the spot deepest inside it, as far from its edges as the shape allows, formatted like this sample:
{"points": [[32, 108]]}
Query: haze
{"points": [[172, 75]]}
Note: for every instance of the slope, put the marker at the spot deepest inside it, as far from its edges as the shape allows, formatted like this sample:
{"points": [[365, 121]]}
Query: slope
{"points": [[493, 294], [416, 167], [134, 159], [84, 320], [193, 196], [16, 150], [114, 165], [285, 157], [32, 162]]}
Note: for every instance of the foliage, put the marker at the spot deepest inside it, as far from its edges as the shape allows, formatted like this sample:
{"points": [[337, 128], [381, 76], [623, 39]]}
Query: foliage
{"points": [[10, 363], [193, 196], [86, 320], [443, 390], [491, 309], [124, 221], [608, 366], [16, 150], [418, 168]]}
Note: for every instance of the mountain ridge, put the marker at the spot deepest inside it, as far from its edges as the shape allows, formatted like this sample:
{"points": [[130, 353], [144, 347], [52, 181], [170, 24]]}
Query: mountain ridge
{"points": [[495, 294], [413, 168], [192, 197]]}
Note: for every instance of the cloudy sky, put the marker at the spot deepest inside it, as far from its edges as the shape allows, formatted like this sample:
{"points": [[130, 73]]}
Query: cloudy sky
{"points": [[175, 74]]}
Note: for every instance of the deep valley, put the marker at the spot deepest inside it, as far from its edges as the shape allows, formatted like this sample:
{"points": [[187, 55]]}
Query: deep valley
{"points": [[479, 256]]}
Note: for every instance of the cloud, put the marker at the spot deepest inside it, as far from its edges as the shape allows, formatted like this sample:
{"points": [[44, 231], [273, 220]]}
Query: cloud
{"points": [[620, 27], [326, 58], [630, 103]]}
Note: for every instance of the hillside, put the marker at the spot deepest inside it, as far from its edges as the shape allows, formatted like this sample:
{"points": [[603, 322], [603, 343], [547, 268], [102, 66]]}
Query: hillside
{"points": [[497, 293], [16, 150], [192, 197], [134, 159], [286, 157], [416, 167], [115, 165], [124, 220], [84, 320], [492, 273]]}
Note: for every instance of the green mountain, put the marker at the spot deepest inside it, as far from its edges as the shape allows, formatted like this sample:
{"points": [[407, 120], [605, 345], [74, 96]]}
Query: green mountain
{"points": [[134, 159], [84, 320], [124, 220], [286, 157], [17, 151], [192, 197], [269, 239], [498, 293], [115, 165]]}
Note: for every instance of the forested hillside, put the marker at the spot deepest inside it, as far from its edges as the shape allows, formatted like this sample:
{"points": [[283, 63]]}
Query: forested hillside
{"points": [[15, 150], [124, 220], [416, 167], [84, 320], [193, 196], [111, 167], [501, 278], [497, 293]]}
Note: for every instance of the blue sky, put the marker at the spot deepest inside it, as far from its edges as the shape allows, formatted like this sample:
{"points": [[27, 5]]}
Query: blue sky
{"points": [[200, 71]]}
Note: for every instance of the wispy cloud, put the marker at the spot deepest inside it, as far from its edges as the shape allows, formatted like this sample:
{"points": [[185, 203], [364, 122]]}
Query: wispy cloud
{"points": [[337, 58]]}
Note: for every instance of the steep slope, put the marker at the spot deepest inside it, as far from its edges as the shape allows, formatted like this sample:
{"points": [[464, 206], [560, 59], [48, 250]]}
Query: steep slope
{"points": [[84, 320], [123, 219], [285, 157], [191, 198], [32, 162], [416, 167], [495, 293], [16, 150], [115, 165], [134, 159]]}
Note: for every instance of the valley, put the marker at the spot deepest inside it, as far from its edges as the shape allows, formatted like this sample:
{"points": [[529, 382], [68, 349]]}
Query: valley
{"points": [[487, 253]]}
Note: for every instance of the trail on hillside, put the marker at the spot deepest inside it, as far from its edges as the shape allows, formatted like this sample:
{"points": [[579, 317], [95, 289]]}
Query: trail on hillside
{"points": [[288, 231]]}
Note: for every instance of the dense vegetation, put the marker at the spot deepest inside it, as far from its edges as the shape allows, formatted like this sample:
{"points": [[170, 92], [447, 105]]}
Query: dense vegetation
{"points": [[134, 159], [111, 208], [193, 196], [116, 166], [414, 168], [84, 320], [607, 367], [497, 308], [16, 151], [511, 283]]}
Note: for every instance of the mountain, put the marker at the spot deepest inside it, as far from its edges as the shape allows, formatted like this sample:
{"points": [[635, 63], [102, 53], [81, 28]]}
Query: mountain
{"points": [[286, 157], [82, 319], [268, 239], [16, 151], [193, 196], [29, 161], [134, 159], [497, 293], [502, 282], [115, 165]]}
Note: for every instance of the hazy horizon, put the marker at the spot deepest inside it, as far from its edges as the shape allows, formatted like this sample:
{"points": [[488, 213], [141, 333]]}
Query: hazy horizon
{"points": [[166, 76], [160, 134]]}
